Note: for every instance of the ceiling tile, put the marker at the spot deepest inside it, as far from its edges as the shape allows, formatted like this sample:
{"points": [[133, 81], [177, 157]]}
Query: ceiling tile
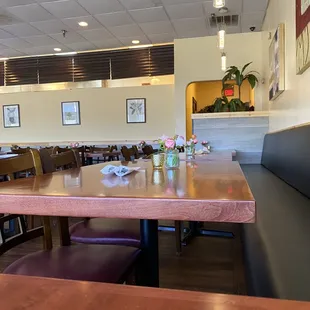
{"points": [[232, 30], [168, 2], [137, 4], [101, 6], [73, 22], [157, 27], [43, 50], [15, 43], [65, 9], [193, 33], [234, 6], [51, 26], [3, 47], [162, 38], [30, 12], [21, 30], [71, 37], [252, 19], [96, 34], [247, 29], [115, 19], [149, 15], [9, 52], [81, 46], [5, 35], [110, 43], [254, 5], [189, 24], [9, 3], [186, 10], [41, 40], [128, 41], [126, 31]]}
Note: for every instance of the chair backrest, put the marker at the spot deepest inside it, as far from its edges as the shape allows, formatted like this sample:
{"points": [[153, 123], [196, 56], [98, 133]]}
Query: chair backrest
{"points": [[135, 151], [10, 167], [113, 147], [58, 149], [20, 151], [148, 150], [127, 153], [95, 149], [66, 160]]}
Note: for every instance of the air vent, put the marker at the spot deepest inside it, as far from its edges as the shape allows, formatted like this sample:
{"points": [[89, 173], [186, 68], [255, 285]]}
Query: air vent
{"points": [[229, 20]]}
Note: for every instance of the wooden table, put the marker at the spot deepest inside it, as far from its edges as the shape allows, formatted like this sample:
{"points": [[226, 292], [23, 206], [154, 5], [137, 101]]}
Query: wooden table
{"points": [[30, 293], [111, 155], [207, 192], [213, 156], [6, 156]]}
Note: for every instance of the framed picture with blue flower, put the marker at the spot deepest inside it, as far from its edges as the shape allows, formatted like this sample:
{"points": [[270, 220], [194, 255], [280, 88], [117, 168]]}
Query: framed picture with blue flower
{"points": [[136, 110], [70, 112], [11, 116]]}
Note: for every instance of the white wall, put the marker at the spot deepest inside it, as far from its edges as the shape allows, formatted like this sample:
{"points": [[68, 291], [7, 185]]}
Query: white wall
{"points": [[199, 59], [293, 106], [103, 115]]}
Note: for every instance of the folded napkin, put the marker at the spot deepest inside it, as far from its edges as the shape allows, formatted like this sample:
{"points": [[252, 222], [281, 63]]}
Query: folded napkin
{"points": [[118, 170]]}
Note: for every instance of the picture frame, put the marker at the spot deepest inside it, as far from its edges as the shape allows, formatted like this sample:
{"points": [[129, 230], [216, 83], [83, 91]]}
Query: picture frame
{"points": [[136, 110], [70, 112], [11, 116], [277, 64], [302, 36]]}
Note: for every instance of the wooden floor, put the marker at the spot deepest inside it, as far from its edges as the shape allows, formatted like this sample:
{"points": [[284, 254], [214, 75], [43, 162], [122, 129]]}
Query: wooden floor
{"points": [[207, 264]]}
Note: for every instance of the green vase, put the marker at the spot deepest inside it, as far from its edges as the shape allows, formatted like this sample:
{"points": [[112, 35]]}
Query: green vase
{"points": [[172, 160]]}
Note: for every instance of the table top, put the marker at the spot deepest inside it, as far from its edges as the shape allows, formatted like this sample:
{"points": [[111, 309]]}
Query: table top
{"points": [[30, 293], [204, 191]]}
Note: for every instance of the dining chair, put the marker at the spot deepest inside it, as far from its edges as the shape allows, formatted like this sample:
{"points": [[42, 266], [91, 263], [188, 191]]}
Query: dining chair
{"points": [[135, 151], [148, 150], [100, 151], [104, 263], [20, 150], [127, 153]]}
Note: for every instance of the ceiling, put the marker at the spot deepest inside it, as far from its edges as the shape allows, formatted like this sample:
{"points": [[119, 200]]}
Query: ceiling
{"points": [[34, 27]]}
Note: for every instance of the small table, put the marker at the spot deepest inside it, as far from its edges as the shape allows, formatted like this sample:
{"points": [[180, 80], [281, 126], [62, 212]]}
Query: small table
{"points": [[208, 192], [31, 293]]}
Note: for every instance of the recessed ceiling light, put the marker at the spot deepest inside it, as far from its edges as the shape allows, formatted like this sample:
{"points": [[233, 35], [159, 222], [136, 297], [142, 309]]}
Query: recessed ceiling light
{"points": [[57, 49], [83, 24], [135, 41]]}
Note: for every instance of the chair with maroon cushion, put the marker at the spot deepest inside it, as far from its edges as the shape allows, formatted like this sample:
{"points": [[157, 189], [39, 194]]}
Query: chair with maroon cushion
{"points": [[100, 263]]}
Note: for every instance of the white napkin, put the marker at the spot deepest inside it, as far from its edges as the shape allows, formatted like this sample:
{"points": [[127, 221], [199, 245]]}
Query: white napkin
{"points": [[118, 170]]}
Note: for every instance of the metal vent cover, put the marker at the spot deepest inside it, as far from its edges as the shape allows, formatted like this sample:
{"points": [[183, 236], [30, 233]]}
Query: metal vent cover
{"points": [[229, 20]]}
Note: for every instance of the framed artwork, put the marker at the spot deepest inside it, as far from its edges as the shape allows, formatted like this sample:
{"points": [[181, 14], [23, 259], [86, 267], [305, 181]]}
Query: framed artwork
{"points": [[302, 35], [277, 63], [194, 105], [70, 111], [136, 110], [11, 116]]}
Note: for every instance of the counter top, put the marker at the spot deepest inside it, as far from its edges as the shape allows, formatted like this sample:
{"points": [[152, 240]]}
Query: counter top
{"points": [[230, 114]]}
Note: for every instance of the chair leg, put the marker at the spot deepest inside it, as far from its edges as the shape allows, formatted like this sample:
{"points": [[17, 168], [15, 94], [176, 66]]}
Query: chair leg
{"points": [[178, 237], [30, 221]]}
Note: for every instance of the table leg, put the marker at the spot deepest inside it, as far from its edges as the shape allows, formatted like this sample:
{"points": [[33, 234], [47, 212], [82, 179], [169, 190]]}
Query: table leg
{"points": [[149, 269]]}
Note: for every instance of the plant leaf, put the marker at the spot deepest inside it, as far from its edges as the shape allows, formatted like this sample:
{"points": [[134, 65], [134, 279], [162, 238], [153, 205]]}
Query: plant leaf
{"points": [[245, 66], [252, 80]]}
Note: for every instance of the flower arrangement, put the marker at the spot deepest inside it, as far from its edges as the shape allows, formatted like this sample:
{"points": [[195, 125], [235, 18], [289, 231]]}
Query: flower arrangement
{"points": [[74, 144], [192, 141], [170, 143], [206, 148], [142, 144]]}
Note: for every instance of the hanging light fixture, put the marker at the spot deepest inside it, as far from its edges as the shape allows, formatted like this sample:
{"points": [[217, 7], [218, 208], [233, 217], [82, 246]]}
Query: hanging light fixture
{"points": [[221, 39], [224, 62], [218, 3]]}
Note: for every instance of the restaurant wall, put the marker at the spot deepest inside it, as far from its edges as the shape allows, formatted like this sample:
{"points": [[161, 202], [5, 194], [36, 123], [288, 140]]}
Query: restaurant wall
{"points": [[199, 59], [293, 106], [103, 115]]}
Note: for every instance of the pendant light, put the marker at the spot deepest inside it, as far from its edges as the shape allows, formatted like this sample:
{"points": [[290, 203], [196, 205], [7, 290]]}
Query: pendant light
{"points": [[224, 62], [218, 3], [221, 39]]}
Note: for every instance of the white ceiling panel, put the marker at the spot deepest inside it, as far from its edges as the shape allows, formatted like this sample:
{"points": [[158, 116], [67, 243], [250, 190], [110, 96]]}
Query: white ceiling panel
{"points": [[137, 4], [73, 23], [81, 46], [168, 2], [10, 52], [40, 40], [254, 6], [149, 15], [22, 30], [101, 6], [51, 26], [189, 24], [96, 34], [65, 9], [15, 43], [9, 3], [126, 31], [110, 43], [71, 37], [162, 38], [128, 41], [252, 19], [234, 6], [41, 50], [5, 34], [115, 19], [186, 10], [157, 27], [3, 47], [30, 13]]}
